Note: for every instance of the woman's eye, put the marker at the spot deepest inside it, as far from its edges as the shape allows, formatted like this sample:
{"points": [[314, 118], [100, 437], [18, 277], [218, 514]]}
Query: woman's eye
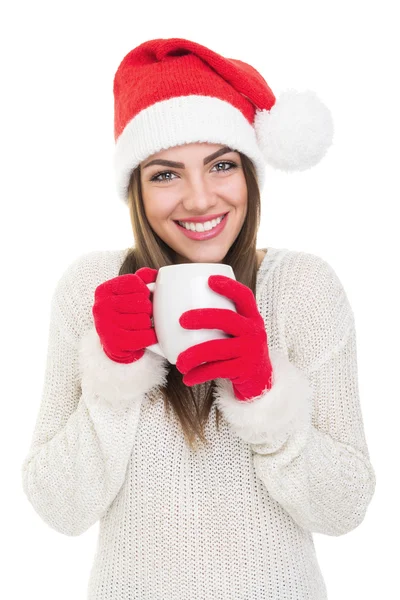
{"points": [[231, 165], [159, 177]]}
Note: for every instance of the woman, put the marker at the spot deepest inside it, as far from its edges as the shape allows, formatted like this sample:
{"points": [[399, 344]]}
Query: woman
{"points": [[115, 440]]}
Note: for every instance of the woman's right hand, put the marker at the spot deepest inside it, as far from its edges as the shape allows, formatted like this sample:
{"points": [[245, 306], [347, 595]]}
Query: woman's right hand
{"points": [[122, 312]]}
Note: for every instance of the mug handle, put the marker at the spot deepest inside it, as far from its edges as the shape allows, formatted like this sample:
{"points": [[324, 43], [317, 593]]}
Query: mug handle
{"points": [[154, 347]]}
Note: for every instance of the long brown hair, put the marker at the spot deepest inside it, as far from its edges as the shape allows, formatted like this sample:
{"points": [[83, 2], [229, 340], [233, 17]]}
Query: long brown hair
{"points": [[151, 251]]}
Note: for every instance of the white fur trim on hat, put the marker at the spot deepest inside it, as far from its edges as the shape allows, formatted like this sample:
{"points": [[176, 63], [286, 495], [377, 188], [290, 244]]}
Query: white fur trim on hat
{"points": [[117, 384], [274, 414], [296, 133], [184, 120]]}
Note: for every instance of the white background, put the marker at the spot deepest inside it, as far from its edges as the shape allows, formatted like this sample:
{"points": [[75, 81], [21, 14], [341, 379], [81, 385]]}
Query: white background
{"points": [[58, 201]]}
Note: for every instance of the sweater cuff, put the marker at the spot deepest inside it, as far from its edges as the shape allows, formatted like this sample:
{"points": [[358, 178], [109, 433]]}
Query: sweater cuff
{"points": [[268, 420], [117, 384]]}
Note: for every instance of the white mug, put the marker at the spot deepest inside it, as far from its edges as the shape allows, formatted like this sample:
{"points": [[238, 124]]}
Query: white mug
{"points": [[177, 289]]}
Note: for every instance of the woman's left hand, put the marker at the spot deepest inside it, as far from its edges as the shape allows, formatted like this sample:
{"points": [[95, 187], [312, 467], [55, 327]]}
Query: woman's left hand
{"points": [[243, 358]]}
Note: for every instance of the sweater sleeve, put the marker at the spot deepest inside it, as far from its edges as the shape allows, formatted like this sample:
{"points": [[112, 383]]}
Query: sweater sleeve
{"points": [[306, 433], [89, 409]]}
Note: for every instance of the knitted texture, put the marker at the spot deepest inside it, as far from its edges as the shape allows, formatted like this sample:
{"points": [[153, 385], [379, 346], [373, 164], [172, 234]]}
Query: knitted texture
{"points": [[233, 519]]}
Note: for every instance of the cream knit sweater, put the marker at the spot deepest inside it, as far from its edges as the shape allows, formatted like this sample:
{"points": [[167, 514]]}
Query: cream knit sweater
{"points": [[234, 519]]}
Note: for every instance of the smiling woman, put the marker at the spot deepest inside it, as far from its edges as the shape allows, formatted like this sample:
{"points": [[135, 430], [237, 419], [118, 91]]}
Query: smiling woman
{"points": [[198, 185], [208, 476], [201, 188]]}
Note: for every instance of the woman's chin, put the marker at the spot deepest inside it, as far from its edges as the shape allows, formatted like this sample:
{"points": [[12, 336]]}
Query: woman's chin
{"points": [[208, 255]]}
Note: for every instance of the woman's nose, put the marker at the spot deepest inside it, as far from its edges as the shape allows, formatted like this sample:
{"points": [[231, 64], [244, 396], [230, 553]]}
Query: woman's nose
{"points": [[199, 198]]}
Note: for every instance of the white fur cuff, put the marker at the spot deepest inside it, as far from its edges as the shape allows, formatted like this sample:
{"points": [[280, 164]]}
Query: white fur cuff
{"points": [[273, 416], [118, 384]]}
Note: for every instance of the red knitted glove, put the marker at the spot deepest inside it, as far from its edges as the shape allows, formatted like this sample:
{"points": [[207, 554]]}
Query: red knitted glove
{"points": [[122, 312], [243, 358]]}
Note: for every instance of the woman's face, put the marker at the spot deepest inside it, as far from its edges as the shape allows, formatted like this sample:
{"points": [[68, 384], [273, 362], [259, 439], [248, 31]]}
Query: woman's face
{"points": [[195, 180]]}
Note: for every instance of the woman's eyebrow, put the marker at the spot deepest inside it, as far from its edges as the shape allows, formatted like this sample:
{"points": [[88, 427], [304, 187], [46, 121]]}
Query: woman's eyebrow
{"points": [[180, 165]]}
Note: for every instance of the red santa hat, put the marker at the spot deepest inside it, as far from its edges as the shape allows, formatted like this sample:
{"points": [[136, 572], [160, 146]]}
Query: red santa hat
{"points": [[169, 92]]}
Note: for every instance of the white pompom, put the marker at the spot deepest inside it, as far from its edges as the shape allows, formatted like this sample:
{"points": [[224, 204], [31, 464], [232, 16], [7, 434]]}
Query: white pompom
{"points": [[296, 133]]}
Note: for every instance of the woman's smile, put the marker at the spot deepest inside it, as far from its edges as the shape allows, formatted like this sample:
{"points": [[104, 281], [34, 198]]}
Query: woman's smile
{"points": [[203, 231]]}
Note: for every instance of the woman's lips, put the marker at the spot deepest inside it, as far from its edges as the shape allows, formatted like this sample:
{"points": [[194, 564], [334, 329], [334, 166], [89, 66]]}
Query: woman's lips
{"points": [[203, 235]]}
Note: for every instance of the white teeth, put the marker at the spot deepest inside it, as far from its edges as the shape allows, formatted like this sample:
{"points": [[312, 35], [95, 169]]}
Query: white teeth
{"points": [[202, 226]]}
